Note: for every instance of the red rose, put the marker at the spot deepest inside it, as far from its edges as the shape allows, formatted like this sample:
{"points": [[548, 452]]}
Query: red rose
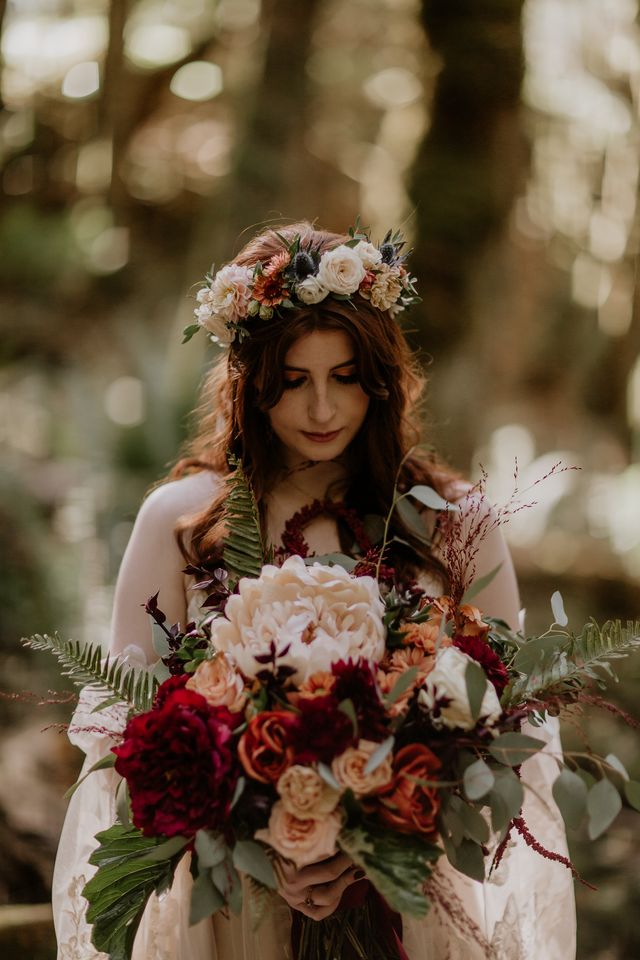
{"points": [[179, 764], [411, 808], [266, 747]]}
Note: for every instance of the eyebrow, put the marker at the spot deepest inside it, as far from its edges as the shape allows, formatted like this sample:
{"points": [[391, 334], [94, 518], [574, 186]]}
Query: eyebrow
{"points": [[347, 363]]}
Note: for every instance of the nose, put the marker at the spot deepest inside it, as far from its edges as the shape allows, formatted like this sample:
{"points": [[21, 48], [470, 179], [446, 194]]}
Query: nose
{"points": [[321, 408]]}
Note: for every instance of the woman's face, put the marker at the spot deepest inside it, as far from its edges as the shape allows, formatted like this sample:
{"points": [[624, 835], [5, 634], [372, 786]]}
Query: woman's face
{"points": [[323, 405]]}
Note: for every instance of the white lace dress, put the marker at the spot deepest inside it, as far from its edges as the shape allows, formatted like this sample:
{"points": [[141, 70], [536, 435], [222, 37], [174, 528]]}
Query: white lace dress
{"points": [[525, 911]]}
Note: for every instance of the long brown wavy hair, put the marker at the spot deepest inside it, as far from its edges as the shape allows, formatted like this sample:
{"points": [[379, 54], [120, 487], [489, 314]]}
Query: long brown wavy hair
{"points": [[232, 414]]}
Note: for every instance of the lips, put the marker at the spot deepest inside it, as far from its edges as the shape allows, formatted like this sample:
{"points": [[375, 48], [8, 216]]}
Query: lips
{"points": [[321, 437]]}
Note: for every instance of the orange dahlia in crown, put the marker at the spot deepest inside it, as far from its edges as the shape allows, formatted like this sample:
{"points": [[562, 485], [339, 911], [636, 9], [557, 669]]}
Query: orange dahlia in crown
{"points": [[299, 276]]}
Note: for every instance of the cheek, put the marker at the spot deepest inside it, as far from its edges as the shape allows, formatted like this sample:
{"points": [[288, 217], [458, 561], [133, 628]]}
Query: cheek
{"points": [[359, 405], [282, 415]]}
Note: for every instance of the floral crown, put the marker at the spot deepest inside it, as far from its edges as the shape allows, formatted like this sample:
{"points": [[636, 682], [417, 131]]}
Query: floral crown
{"points": [[301, 275]]}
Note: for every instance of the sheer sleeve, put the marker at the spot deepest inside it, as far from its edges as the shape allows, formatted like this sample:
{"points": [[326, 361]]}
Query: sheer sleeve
{"points": [[152, 563]]}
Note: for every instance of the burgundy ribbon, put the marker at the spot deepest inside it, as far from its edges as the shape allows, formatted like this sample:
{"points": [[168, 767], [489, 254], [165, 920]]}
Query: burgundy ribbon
{"points": [[387, 923]]}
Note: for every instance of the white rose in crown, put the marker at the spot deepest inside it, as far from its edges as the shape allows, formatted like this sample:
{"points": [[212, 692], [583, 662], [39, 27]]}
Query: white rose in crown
{"points": [[444, 693], [341, 270], [225, 302], [369, 254], [310, 290], [312, 616]]}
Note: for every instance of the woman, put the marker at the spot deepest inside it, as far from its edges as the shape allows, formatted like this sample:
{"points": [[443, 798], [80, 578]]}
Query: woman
{"points": [[315, 397]]}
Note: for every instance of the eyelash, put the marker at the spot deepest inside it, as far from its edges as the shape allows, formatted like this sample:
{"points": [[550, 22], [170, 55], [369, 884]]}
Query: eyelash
{"points": [[341, 378]]}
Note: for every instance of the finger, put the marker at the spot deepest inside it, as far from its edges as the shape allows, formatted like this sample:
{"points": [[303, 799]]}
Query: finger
{"points": [[317, 911], [323, 872]]}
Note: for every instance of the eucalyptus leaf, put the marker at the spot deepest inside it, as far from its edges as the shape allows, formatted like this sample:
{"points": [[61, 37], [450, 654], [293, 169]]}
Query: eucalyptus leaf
{"points": [[603, 806], [478, 779], [476, 683], [557, 608], [378, 755], [210, 848], [251, 858], [468, 859], [508, 786], [403, 683], [167, 849], [570, 793], [412, 519], [617, 765], [347, 707], [429, 497], [514, 748], [160, 640], [205, 898], [475, 826], [478, 585], [328, 777]]}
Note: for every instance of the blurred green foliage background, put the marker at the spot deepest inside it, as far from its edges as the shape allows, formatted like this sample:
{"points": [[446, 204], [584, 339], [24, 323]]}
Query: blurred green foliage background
{"points": [[142, 140]]}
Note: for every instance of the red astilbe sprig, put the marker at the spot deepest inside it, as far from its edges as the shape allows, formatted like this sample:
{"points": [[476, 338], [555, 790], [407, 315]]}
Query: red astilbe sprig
{"points": [[465, 526], [521, 827]]}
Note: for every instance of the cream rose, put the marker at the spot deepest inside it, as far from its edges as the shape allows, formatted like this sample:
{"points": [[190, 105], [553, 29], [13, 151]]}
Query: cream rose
{"points": [[386, 288], [305, 794], [302, 841], [315, 615], [369, 254], [225, 301], [348, 769], [310, 290], [219, 682], [447, 682], [341, 270]]}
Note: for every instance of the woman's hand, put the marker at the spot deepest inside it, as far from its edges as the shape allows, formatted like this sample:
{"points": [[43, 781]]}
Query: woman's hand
{"points": [[316, 890]]}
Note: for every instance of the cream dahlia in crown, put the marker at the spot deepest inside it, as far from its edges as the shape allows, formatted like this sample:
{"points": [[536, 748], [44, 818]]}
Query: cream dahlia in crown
{"points": [[300, 276]]}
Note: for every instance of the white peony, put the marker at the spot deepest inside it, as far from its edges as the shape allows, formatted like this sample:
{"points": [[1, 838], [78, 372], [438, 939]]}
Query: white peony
{"points": [[369, 254], [315, 615], [341, 270], [447, 680], [225, 302], [310, 290]]}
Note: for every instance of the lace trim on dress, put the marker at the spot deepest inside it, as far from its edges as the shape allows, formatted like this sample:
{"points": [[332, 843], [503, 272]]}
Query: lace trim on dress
{"points": [[78, 946]]}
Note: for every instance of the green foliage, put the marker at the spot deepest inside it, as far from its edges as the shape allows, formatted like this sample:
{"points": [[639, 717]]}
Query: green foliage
{"points": [[559, 661], [126, 878], [84, 664], [397, 865], [243, 554]]}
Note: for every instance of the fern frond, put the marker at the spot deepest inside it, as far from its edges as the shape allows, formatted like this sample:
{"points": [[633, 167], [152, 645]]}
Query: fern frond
{"points": [[259, 899], [243, 549], [84, 664], [585, 657]]}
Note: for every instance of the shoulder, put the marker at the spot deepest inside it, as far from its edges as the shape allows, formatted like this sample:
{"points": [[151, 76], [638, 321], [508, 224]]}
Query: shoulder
{"points": [[171, 501]]}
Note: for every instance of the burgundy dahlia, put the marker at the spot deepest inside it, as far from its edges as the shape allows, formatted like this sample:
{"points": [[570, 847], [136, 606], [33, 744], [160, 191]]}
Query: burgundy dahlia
{"points": [[323, 731], [356, 681], [479, 650], [179, 763]]}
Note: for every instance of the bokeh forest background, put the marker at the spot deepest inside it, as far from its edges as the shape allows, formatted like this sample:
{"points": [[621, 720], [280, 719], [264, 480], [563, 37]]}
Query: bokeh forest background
{"points": [[142, 140]]}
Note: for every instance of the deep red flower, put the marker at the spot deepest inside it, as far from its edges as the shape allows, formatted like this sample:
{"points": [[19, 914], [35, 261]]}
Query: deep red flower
{"points": [[479, 650], [179, 764], [323, 731], [356, 681], [175, 682]]}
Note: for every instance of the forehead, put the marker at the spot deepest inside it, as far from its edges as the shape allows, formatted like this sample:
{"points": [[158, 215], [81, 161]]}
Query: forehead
{"points": [[319, 349]]}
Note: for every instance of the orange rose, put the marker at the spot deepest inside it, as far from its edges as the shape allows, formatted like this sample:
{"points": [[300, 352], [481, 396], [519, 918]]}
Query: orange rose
{"points": [[266, 747], [470, 622], [408, 806]]}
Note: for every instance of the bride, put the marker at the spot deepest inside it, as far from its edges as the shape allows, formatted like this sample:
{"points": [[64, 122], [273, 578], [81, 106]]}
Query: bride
{"points": [[317, 400]]}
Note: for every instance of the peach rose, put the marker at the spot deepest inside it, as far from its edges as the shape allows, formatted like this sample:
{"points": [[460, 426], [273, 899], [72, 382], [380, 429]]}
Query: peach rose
{"points": [[218, 681], [266, 747], [408, 806], [305, 794], [470, 622], [301, 841], [348, 769]]}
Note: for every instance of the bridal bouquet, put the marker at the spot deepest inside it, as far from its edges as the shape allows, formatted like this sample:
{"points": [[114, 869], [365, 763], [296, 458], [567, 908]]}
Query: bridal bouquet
{"points": [[322, 706]]}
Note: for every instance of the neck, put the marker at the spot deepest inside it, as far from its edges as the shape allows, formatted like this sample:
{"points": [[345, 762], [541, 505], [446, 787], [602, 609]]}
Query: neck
{"points": [[311, 480]]}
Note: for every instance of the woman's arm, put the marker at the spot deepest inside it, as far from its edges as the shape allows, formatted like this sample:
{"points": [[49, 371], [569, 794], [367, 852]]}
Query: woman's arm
{"points": [[153, 563]]}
